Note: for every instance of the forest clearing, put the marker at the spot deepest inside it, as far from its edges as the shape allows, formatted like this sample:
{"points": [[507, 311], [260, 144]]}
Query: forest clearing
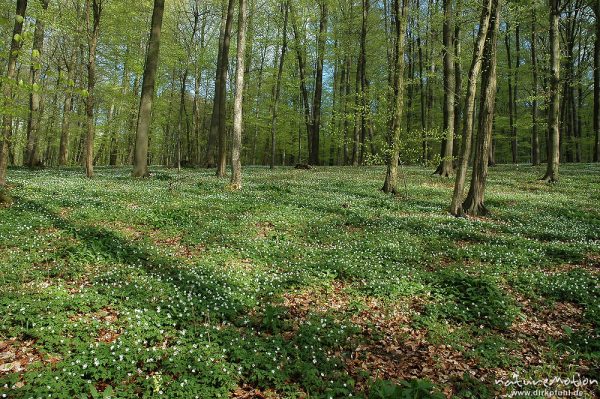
{"points": [[304, 284]]}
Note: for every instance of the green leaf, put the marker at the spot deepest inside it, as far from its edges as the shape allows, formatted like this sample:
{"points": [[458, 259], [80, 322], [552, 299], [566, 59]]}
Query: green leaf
{"points": [[19, 18]]}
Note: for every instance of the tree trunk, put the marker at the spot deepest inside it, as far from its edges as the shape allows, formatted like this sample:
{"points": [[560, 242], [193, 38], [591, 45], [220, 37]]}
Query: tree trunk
{"points": [[515, 96], [458, 81], [445, 169], [391, 178], [597, 82], [236, 165], [32, 158], [221, 111], [63, 152], [535, 140], [469, 110], [424, 143], [308, 119], [93, 14], [180, 119], [140, 168], [511, 113], [277, 90], [214, 122], [552, 169], [317, 99], [474, 203], [15, 46], [346, 96]]}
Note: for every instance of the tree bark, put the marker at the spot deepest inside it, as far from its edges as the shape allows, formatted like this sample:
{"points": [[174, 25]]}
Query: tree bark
{"points": [[140, 168], [221, 111], [7, 87], [456, 208], [511, 112], [596, 115], [63, 152], [277, 90], [317, 99], [535, 139], [474, 203], [393, 157], [445, 169], [236, 164], [552, 170], [32, 158], [93, 14], [308, 119]]}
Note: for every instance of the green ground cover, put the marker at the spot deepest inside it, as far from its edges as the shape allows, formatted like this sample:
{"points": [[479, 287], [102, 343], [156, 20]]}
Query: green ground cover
{"points": [[304, 284]]}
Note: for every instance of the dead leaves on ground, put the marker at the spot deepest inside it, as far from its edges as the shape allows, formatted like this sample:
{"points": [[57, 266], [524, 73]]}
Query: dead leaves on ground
{"points": [[394, 349], [16, 355]]}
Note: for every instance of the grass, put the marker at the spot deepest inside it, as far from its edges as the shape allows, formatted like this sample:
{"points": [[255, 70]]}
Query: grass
{"points": [[304, 284]]}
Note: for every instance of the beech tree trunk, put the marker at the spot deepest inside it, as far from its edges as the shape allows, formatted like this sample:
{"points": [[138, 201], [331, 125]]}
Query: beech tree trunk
{"points": [[597, 82], [390, 186], [277, 90], [456, 208], [552, 169], [7, 88], [445, 169], [140, 167], [63, 151], [236, 164], [220, 112], [474, 203], [535, 139], [93, 14], [511, 112], [32, 158], [317, 99]]}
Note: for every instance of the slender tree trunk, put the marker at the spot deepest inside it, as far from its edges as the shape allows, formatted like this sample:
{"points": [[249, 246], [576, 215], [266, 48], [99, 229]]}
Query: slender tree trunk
{"points": [[236, 165], [596, 115], [424, 143], [214, 123], [63, 152], [180, 118], [515, 96], [357, 115], [552, 171], [277, 90], [535, 140], [458, 81], [32, 158], [346, 96], [391, 178], [222, 87], [308, 119], [140, 168], [93, 14], [258, 102], [445, 168], [317, 99], [474, 203], [469, 110], [132, 128], [511, 112]]}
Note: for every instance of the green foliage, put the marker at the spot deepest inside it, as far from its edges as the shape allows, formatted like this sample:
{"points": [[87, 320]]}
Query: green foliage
{"points": [[471, 388], [473, 300], [127, 286], [413, 389]]}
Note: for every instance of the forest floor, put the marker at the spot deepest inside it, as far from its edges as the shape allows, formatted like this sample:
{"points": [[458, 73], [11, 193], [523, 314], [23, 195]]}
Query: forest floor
{"points": [[304, 284]]}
